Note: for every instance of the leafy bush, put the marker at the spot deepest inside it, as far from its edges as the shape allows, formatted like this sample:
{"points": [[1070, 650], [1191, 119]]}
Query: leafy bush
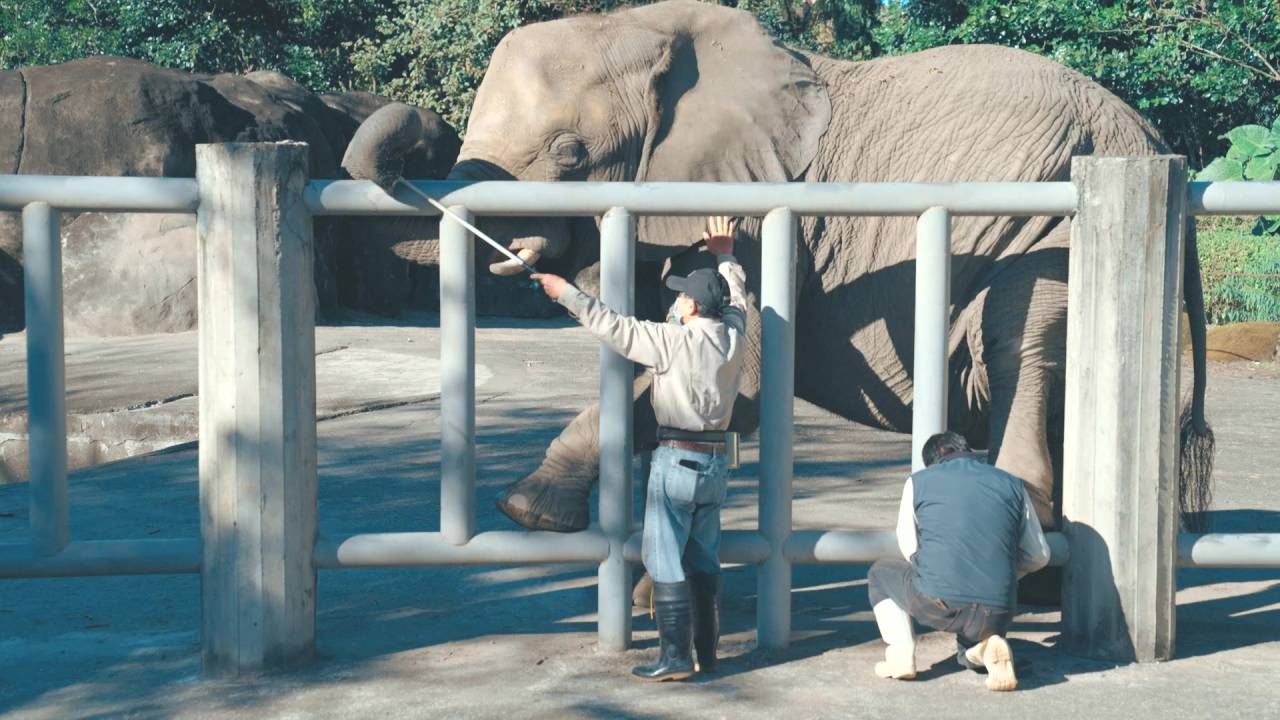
{"points": [[304, 39], [1229, 254], [1254, 155]]}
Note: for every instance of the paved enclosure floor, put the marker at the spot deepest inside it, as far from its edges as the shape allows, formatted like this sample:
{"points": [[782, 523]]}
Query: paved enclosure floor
{"points": [[520, 641]]}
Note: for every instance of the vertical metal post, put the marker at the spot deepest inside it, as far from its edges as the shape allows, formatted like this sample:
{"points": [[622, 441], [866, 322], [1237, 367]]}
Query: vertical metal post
{"points": [[457, 379], [257, 305], [46, 378], [617, 375], [933, 305], [1121, 444], [777, 406]]}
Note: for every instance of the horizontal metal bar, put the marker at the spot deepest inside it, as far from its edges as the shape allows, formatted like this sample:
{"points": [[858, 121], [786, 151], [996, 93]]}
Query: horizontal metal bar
{"points": [[867, 546], [746, 547], [420, 549], [1253, 197], [352, 197], [1229, 550], [103, 557], [101, 194]]}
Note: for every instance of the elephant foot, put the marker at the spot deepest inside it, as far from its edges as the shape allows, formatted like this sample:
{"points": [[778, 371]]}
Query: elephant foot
{"points": [[540, 504]]}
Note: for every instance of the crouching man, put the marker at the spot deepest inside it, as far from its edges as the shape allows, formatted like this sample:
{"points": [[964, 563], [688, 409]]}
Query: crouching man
{"points": [[970, 532], [696, 360]]}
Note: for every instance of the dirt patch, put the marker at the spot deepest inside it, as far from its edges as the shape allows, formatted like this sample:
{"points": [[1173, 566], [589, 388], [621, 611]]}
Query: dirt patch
{"points": [[1238, 342]]}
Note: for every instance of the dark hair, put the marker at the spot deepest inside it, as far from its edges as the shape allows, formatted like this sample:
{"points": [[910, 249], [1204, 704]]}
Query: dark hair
{"points": [[940, 446], [705, 312]]}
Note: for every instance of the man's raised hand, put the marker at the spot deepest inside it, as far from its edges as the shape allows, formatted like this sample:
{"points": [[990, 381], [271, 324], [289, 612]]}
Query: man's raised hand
{"points": [[719, 234]]}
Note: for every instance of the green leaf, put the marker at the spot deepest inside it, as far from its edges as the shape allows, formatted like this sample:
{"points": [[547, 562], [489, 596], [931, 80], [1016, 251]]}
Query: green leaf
{"points": [[1222, 169], [1275, 126], [1250, 138], [1262, 167]]}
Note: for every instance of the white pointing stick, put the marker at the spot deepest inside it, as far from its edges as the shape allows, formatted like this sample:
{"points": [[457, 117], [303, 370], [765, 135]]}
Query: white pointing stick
{"points": [[497, 246]]}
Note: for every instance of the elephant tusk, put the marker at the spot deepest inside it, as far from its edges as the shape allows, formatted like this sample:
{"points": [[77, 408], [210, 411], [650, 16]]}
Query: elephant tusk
{"points": [[528, 256]]}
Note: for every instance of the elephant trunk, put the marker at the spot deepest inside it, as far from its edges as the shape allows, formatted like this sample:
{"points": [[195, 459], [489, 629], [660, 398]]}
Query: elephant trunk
{"points": [[1196, 441], [377, 151]]}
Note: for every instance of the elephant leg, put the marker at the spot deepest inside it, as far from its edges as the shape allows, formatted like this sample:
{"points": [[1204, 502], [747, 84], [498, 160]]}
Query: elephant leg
{"points": [[554, 497], [1024, 322]]}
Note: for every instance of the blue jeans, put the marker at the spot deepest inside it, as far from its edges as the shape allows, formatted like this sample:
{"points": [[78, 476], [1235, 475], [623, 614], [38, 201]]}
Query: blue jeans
{"points": [[682, 513]]}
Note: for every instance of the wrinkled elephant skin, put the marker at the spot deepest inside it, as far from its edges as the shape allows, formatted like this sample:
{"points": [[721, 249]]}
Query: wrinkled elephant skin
{"points": [[688, 91]]}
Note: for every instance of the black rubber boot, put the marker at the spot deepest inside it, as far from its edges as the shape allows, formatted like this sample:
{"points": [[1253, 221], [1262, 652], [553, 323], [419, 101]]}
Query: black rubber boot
{"points": [[674, 613], [705, 590]]}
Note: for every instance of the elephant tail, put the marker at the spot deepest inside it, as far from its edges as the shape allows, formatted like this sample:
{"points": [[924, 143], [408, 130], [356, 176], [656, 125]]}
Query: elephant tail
{"points": [[1195, 469]]}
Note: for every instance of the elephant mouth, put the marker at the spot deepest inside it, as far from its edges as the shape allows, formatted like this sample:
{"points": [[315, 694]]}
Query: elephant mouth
{"points": [[531, 239]]}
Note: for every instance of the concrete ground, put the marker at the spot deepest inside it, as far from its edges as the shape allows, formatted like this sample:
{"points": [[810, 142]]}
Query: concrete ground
{"points": [[520, 641]]}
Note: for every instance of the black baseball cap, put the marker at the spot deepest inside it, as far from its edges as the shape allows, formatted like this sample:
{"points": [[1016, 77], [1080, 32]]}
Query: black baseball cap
{"points": [[705, 286]]}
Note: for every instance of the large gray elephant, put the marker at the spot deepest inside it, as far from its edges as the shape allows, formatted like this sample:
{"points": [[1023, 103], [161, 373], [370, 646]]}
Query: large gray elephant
{"points": [[691, 91], [134, 273]]}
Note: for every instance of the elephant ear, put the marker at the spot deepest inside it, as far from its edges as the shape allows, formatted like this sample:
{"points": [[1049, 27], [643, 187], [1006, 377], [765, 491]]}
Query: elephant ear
{"points": [[730, 103]]}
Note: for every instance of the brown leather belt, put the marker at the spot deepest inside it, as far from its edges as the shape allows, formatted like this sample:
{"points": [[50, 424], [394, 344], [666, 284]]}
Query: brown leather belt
{"points": [[708, 448]]}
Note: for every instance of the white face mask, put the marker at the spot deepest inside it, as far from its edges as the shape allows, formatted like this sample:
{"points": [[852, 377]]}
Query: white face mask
{"points": [[673, 317]]}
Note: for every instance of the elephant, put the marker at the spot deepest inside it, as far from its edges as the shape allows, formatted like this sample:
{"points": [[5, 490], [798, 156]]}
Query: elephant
{"points": [[133, 273], [690, 91]]}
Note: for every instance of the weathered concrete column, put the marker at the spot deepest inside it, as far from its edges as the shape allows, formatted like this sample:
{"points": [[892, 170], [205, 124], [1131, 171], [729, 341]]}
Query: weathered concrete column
{"points": [[257, 408], [1121, 454]]}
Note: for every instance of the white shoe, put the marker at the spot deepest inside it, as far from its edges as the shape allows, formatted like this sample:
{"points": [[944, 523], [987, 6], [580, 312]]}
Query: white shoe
{"points": [[895, 627], [899, 663], [998, 659]]}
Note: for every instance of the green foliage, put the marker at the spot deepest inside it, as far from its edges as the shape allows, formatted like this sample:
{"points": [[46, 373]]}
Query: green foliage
{"points": [[1229, 254], [1192, 67], [836, 28], [304, 39], [1254, 155]]}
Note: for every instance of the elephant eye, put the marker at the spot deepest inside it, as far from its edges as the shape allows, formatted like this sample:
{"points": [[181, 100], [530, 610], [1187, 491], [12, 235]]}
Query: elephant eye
{"points": [[569, 151]]}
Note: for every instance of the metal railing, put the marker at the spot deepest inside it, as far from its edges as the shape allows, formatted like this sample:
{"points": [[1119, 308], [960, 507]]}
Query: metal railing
{"points": [[774, 546]]}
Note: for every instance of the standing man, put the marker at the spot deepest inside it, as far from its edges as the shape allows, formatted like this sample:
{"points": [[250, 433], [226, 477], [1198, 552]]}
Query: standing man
{"points": [[969, 531], [695, 359]]}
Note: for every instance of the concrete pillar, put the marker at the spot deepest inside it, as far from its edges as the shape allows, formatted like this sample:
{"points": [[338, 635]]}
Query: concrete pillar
{"points": [[257, 408], [617, 375], [777, 416], [933, 306], [1121, 454], [46, 378], [457, 379]]}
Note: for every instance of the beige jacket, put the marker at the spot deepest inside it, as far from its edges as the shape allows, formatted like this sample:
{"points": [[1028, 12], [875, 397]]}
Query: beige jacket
{"points": [[695, 366]]}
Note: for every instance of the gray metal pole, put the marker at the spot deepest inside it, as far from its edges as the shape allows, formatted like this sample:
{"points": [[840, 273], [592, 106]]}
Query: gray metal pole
{"points": [[558, 199], [777, 405], [617, 375], [933, 300], [46, 378], [256, 290], [457, 379]]}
